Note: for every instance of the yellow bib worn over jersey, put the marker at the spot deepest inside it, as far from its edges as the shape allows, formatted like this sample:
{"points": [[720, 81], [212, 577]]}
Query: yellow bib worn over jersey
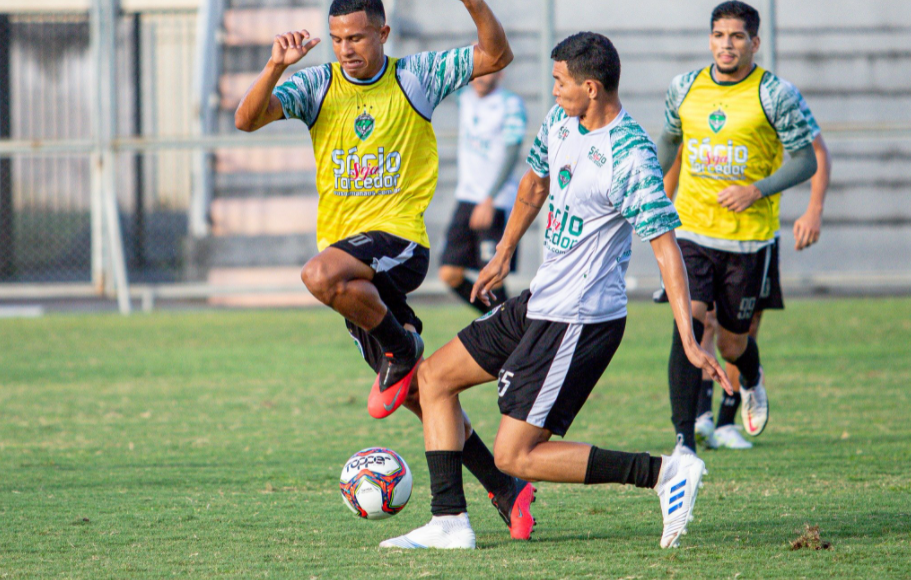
{"points": [[727, 140], [376, 159]]}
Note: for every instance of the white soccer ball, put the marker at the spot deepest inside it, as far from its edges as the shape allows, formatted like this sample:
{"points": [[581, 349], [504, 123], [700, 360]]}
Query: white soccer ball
{"points": [[376, 483]]}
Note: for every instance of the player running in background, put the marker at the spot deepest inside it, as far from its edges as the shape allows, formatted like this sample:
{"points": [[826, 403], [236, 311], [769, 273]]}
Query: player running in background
{"points": [[806, 233], [376, 154], [733, 119], [492, 125], [596, 171]]}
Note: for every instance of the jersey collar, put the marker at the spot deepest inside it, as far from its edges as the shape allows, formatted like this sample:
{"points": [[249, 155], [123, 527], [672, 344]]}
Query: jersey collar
{"points": [[730, 83], [369, 81], [616, 121]]}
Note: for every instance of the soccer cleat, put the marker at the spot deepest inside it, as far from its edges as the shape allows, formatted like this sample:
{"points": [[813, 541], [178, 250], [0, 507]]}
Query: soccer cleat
{"points": [[443, 532], [754, 408], [705, 426], [729, 437], [680, 448], [678, 485], [660, 296], [517, 514], [394, 381]]}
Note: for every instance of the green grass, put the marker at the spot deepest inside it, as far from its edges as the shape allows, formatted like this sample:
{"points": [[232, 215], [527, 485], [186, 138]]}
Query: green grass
{"points": [[209, 445]]}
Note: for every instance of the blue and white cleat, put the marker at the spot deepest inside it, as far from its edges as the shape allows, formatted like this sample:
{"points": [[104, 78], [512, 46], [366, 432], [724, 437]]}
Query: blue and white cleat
{"points": [[443, 532], [678, 485]]}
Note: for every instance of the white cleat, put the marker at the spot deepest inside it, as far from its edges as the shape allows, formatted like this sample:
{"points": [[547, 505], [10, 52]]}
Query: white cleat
{"points": [[755, 407], [729, 437], [443, 532], [705, 428], [678, 485]]}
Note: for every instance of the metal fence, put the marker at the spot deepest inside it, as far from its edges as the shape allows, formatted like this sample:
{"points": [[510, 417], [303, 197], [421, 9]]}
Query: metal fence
{"points": [[121, 172]]}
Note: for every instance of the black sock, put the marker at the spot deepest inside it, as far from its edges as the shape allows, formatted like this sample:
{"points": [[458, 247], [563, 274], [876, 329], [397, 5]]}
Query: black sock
{"points": [[605, 466], [463, 291], [748, 364], [393, 337], [684, 380], [448, 496], [728, 410], [479, 461], [706, 390]]}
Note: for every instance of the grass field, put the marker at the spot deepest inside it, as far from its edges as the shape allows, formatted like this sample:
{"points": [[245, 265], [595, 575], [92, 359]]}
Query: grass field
{"points": [[209, 445]]}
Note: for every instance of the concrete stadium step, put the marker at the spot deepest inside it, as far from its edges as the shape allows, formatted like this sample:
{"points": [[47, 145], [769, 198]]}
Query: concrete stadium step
{"points": [[265, 160], [258, 26], [270, 216], [264, 280], [257, 251]]}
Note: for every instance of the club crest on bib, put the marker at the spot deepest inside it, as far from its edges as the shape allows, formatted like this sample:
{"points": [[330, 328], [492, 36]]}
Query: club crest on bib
{"points": [[717, 119], [364, 125], [565, 176]]}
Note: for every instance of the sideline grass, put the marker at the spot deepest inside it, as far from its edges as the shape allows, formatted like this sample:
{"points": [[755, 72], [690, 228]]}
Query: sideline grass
{"points": [[209, 444]]}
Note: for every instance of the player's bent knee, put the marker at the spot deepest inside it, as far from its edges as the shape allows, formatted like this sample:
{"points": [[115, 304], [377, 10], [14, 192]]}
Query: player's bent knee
{"points": [[315, 277], [452, 277], [731, 347]]}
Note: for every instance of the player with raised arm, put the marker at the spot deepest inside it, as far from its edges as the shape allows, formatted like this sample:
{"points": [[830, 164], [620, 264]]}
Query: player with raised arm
{"points": [[734, 120], [492, 125], [377, 165], [596, 171], [806, 233]]}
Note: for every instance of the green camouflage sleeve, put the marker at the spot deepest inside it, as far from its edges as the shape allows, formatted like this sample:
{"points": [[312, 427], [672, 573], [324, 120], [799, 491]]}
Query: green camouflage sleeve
{"points": [[680, 87], [638, 185], [515, 120], [440, 73], [537, 157], [781, 104], [304, 92], [815, 129]]}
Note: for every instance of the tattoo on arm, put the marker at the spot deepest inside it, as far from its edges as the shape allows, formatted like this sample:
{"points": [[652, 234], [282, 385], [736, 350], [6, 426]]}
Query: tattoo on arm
{"points": [[530, 204]]}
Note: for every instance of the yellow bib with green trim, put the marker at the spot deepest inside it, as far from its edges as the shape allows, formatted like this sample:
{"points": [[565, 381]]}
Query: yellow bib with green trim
{"points": [[727, 140], [376, 159]]}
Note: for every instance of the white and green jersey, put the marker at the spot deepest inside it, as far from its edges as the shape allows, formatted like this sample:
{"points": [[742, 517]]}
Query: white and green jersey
{"points": [[815, 130], [426, 79], [488, 126], [604, 184]]}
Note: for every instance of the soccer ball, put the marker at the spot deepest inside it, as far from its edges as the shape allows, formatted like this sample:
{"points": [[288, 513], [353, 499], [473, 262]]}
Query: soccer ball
{"points": [[376, 483]]}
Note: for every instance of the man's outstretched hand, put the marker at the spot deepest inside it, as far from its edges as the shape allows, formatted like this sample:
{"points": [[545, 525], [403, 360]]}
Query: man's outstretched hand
{"points": [[491, 276], [701, 359], [290, 47]]}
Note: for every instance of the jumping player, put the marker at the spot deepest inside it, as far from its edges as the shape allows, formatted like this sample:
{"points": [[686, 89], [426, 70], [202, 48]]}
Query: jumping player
{"points": [[733, 119], [596, 171], [369, 118], [492, 125]]}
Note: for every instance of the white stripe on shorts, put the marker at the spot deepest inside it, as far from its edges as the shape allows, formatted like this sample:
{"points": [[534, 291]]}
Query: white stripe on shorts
{"points": [[387, 263], [553, 383]]}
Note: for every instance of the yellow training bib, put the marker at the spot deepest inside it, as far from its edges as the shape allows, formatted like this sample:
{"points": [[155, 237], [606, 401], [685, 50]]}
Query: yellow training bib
{"points": [[727, 140], [376, 158]]}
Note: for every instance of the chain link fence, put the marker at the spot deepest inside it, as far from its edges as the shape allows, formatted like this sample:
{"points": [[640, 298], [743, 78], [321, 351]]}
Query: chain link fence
{"points": [[121, 172]]}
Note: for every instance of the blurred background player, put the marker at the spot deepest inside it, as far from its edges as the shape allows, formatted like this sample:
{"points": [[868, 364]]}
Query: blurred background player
{"points": [[733, 120], [492, 123], [377, 164], [806, 233]]}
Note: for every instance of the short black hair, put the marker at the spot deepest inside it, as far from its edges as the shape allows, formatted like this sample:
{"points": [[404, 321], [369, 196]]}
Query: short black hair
{"points": [[590, 56], [373, 8], [739, 10]]}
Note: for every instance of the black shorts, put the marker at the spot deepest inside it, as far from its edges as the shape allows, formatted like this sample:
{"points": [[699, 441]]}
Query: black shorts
{"points": [[471, 249], [546, 369], [771, 297], [728, 282], [400, 266]]}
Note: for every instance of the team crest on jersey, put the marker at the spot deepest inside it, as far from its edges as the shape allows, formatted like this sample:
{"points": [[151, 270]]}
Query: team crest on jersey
{"points": [[563, 134], [717, 119], [364, 125], [597, 157], [565, 175]]}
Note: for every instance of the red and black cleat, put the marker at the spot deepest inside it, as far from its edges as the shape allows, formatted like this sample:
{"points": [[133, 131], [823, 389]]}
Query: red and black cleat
{"points": [[390, 389], [518, 516]]}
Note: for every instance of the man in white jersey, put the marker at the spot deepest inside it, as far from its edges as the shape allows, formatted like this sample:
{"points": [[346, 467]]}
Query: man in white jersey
{"points": [[597, 172], [492, 125]]}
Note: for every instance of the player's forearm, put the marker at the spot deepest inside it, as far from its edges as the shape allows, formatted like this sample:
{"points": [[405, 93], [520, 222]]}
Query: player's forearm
{"points": [[799, 168], [531, 197], [505, 172], [819, 184], [672, 176], [256, 108], [673, 273], [493, 52], [668, 146]]}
